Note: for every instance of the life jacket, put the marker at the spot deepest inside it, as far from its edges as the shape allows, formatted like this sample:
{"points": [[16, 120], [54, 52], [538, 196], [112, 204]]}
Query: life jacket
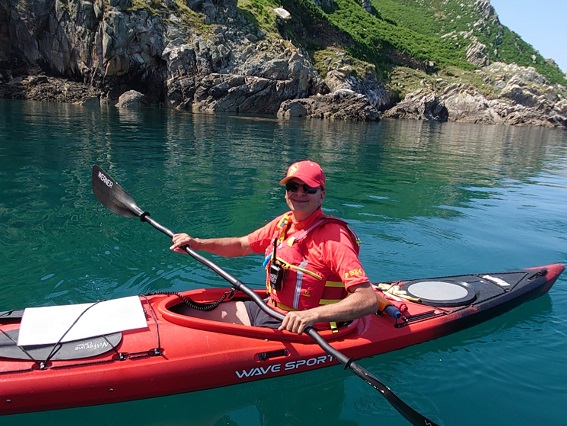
{"points": [[305, 285]]}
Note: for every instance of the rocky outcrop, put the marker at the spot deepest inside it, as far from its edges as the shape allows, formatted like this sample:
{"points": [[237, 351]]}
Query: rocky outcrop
{"points": [[50, 89], [344, 78], [131, 99], [339, 105], [115, 48], [219, 75], [520, 96]]}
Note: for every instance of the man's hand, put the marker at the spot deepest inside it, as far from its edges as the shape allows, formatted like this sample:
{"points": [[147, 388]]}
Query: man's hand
{"points": [[298, 321], [362, 301]]}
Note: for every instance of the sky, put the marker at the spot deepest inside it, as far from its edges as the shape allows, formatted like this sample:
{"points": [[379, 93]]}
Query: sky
{"points": [[540, 23]]}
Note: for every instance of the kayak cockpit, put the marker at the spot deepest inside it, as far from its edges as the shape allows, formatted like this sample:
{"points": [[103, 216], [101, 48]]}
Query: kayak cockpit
{"points": [[167, 309]]}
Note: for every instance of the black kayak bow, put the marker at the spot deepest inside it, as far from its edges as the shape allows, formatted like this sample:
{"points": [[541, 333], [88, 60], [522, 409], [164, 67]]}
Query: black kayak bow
{"points": [[111, 195]]}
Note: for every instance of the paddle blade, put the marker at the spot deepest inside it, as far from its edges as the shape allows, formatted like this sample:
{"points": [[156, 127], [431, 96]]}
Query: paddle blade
{"points": [[112, 196]]}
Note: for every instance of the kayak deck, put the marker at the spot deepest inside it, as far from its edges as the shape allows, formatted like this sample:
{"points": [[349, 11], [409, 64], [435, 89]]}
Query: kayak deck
{"points": [[177, 353]]}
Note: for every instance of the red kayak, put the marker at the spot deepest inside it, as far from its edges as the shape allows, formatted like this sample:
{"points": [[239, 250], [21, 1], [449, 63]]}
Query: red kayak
{"points": [[174, 353]]}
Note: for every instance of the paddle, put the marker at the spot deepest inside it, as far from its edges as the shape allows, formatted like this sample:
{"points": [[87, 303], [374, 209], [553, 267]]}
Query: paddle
{"points": [[112, 196]]}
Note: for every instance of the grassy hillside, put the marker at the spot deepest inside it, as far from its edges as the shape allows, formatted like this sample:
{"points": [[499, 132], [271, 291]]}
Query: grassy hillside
{"points": [[427, 35], [447, 19]]}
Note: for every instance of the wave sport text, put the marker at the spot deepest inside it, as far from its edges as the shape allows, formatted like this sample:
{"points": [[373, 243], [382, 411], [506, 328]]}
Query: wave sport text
{"points": [[288, 366]]}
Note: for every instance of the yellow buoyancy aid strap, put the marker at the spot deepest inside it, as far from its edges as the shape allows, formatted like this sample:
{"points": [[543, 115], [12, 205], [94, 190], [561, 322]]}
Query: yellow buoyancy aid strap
{"points": [[332, 284], [283, 225], [281, 306], [328, 301], [335, 284]]}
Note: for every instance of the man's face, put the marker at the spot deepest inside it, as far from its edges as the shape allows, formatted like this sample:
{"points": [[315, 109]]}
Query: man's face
{"points": [[301, 202]]}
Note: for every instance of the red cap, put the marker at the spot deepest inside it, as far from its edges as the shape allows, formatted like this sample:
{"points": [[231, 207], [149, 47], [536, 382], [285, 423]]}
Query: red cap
{"points": [[306, 171]]}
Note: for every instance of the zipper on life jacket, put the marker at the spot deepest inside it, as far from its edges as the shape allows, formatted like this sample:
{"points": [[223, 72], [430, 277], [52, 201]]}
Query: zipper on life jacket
{"points": [[287, 265]]}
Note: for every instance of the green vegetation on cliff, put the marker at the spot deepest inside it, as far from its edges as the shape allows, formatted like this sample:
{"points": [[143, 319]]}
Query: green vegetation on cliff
{"points": [[428, 35]]}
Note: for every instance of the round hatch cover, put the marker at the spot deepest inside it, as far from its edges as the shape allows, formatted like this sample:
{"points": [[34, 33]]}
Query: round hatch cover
{"points": [[440, 293]]}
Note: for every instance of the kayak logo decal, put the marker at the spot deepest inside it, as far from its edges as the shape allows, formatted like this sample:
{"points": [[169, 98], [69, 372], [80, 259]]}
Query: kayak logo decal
{"points": [[282, 367], [104, 179], [90, 346]]}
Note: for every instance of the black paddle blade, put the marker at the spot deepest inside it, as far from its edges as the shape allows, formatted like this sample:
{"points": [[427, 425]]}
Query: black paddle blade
{"points": [[112, 196]]}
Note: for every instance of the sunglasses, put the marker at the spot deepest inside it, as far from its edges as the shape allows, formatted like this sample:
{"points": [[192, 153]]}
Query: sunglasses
{"points": [[294, 186]]}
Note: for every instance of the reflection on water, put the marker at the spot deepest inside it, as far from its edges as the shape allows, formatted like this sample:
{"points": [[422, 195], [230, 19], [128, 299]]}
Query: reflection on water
{"points": [[382, 163]]}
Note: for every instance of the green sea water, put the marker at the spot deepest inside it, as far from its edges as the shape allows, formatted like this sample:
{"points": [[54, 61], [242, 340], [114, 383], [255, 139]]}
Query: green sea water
{"points": [[426, 199]]}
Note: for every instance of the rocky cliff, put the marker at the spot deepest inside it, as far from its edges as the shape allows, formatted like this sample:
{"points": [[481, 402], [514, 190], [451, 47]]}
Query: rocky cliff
{"points": [[214, 56]]}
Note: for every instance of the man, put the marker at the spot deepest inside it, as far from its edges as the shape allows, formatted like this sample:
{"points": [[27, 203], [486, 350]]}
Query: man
{"points": [[311, 261]]}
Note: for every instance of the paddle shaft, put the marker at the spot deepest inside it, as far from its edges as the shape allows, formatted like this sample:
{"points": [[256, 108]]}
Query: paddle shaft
{"points": [[113, 196]]}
